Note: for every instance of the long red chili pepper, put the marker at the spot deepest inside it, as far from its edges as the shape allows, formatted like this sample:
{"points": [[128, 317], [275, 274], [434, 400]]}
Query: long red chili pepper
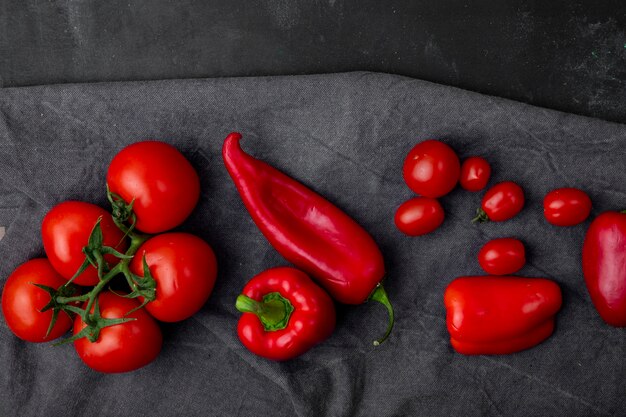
{"points": [[309, 231]]}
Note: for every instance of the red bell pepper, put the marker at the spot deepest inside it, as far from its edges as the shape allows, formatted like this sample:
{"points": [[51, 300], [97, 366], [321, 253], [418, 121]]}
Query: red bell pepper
{"points": [[285, 314], [604, 266], [308, 230], [495, 315]]}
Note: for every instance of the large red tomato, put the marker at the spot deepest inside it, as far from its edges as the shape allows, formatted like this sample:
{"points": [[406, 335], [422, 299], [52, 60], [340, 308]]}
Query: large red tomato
{"points": [[162, 182], [184, 268], [22, 302], [122, 347], [65, 231], [431, 169]]}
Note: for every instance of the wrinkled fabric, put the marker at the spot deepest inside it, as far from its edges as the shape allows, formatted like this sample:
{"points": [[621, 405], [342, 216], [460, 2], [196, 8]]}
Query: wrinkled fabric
{"points": [[345, 136]]}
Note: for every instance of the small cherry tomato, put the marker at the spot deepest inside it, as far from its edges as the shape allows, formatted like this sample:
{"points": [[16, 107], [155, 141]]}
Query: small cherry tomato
{"points": [[566, 206], [122, 347], [502, 202], [431, 169], [475, 173], [22, 302], [161, 181], [502, 256], [65, 231], [184, 268], [419, 216]]}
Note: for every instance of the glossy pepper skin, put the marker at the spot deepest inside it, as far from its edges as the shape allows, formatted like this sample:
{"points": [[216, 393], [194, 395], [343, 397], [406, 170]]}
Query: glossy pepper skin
{"points": [[308, 230], [496, 315], [285, 314], [604, 266]]}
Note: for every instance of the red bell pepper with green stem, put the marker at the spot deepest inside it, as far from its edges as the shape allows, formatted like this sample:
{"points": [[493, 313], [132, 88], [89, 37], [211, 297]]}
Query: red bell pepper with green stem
{"points": [[604, 266], [309, 231], [285, 314], [496, 315]]}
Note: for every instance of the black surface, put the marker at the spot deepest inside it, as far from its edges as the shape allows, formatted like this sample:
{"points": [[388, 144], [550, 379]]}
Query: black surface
{"points": [[345, 136], [569, 56]]}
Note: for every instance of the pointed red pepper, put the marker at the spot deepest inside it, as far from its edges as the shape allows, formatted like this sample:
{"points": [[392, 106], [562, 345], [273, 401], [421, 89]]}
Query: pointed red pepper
{"points": [[604, 266], [308, 230], [285, 314], [495, 315]]}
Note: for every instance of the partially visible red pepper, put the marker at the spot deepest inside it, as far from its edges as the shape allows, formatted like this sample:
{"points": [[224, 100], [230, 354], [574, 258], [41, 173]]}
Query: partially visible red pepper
{"points": [[308, 230], [604, 266], [495, 315], [285, 314]]}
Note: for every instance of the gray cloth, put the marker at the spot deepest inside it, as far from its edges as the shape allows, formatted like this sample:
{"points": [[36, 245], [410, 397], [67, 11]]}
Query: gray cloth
{"points": [[345, 136]]}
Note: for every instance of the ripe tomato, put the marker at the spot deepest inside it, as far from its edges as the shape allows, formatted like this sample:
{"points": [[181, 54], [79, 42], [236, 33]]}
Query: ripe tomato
{"points": [[419, 216], [502, 202], [502, 256], [163, 183], [566, 206], [65, 231], [22, 302], [431, 169], [475, 173], [122, 347], [184, 268]]}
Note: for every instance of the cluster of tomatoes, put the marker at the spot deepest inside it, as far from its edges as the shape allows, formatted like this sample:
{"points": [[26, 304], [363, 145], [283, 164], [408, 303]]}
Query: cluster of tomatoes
{"points": [[112, 290], [432, 169]]}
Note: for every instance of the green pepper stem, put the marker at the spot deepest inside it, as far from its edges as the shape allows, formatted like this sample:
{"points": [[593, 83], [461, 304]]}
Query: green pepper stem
{"points": [[273, 312], [380, 295]]}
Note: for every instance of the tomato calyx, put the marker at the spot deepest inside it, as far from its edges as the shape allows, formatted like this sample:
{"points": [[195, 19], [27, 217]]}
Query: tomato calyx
{"points": [[380, 296], [94, 324], [94, 253], [274, 311], [64, 291], [481, 216]]}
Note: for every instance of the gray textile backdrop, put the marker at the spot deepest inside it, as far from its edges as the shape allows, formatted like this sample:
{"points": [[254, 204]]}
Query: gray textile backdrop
{"points": [[345, 136]]}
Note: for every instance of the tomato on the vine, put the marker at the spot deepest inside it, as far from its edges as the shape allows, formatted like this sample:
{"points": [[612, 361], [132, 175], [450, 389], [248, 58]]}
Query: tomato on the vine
{"points": [[502, 202], [431, 169], [475, 173], [162, 183], [419, 216], [65, 231], [184, 268], [22, 302], [566, 206], [122, 347], [503, 256]]}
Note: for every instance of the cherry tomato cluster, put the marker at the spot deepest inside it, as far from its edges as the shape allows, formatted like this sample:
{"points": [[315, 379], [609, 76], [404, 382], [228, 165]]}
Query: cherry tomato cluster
{"points": [[108, 276]]}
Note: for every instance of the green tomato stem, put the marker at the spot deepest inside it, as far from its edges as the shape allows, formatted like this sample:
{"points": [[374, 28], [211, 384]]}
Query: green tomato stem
{"points": [[380, 295]]}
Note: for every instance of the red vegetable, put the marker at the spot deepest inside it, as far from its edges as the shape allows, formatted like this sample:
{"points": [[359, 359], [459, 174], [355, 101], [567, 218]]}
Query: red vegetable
{"points": [[500, 315], [184, 268], [566, 206], [65, 231], [419, 216], [122, 347], [163, 184], [22, 302], [431, 169], [475, 173], [502, 202], [502, 256], [308, 230], [285, 314], [604, 266]]}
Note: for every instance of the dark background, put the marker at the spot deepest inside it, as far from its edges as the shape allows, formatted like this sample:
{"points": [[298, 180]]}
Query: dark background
{"points": [[562, 55]]}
